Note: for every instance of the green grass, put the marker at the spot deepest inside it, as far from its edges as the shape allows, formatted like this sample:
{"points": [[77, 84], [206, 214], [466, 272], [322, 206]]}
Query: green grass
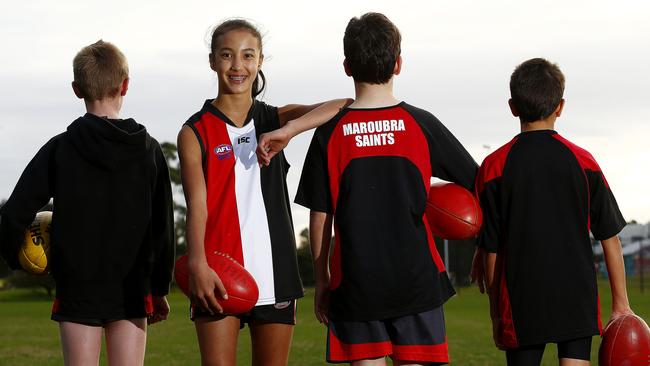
{"points": [[28, 337]]}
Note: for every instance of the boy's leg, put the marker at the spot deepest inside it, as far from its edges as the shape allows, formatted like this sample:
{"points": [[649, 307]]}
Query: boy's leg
{"points": [[271, 329], [376, 362], [126, 341], [81, 343], [525, 356], [576, 352], [217, 339]]}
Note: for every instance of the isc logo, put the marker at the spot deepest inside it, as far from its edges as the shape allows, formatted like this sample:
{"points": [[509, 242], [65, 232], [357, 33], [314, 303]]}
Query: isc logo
{"points": [[244, 140], [223, 151]]}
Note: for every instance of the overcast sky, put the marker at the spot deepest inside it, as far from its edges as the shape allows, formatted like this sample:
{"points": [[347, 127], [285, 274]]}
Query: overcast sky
{"points": [[458, 57]]}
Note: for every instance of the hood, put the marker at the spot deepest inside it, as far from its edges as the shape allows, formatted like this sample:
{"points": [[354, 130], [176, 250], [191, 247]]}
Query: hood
{"points": [[104, 144]]}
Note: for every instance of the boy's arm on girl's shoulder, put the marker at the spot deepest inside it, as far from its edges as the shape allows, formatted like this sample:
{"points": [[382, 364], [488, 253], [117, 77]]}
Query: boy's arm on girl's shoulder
{"points": [[32, 192], [162, 227], [294, 120]]}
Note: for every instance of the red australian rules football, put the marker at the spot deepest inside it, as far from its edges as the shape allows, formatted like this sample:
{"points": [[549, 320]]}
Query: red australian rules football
{"points": [[626, 342], [240, 285], [453, 212]]}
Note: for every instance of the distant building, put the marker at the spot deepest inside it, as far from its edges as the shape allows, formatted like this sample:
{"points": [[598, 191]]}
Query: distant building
{"points": [[635, 239]]}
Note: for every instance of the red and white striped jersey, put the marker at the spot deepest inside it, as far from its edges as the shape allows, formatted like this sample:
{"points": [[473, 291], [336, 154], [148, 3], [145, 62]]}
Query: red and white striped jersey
{"points": [[248, 207]]}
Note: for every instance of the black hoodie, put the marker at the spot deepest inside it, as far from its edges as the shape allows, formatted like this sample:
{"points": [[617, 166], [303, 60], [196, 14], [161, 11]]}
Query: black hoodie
{"points": [[112, 227]]}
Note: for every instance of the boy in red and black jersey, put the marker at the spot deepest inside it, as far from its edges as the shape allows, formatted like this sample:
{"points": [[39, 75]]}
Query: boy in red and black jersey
{"points": [[369, 170], [541, 195]]}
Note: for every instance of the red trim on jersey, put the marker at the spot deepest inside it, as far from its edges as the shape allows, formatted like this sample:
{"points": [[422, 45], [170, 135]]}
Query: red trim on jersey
{"points": [[335, 262], [492, 166], [440, 264], [507, 333], [148, 305], [339, 351], [600, 322], [422, 353], [55, 306], [222, 231], [585, 159]]}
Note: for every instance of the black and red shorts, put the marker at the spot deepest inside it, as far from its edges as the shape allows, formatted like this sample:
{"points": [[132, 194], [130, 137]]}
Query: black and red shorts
{"points": [[419, 337]]}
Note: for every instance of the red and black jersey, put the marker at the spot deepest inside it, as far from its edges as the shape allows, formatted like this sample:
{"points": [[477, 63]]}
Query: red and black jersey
{"points": [[371, 169], [248, 208], [541, 195]]}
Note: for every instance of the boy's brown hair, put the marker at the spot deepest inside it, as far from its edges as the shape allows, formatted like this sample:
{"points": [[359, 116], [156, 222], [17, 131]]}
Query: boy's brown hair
{"points": [[371, 45], [99, 70], [536, 89]]}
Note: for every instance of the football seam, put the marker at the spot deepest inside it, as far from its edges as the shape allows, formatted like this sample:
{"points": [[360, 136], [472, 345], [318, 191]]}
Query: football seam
{"points": [[452, 215]]}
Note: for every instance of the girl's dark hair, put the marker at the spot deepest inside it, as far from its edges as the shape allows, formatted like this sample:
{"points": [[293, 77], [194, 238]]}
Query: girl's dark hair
{"points": [[232, 24], [536, 88]]}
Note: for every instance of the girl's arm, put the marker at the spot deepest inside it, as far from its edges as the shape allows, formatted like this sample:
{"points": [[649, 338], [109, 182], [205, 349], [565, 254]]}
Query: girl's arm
{"points": [[203, 281], [294, 119], [616, 270], [320, 235]]}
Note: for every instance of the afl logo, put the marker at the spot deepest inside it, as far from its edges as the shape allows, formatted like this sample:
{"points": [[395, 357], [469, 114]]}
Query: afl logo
{"points": [[223, 151]]}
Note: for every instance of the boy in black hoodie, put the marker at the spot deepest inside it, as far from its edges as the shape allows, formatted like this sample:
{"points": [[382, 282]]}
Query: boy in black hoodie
{"points": [[112, 245]]}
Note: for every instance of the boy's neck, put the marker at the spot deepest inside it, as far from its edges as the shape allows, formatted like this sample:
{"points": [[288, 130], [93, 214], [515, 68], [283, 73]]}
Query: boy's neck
{"points": [[107, 107], [542, 124], [373, 95]]}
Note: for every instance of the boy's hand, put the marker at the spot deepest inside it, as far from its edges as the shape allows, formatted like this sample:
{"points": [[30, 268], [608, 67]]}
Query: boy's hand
{"points": [[270, 144], [204, 282], [322, 302], [477, 273], [617, 313], [160, 309]]}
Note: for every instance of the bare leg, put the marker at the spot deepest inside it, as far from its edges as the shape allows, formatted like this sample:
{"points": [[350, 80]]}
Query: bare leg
{"points": [[573, 362], [81, 343], [218, 340], [376, 362], [271, 343], [409, 363], [126, 341]]}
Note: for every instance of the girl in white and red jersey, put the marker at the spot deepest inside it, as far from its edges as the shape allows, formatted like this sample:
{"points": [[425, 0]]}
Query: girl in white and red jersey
{"points": [[236, 207]]}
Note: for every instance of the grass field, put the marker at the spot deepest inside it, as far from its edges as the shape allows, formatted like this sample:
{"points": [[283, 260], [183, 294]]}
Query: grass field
{"points": [[28, 337]]}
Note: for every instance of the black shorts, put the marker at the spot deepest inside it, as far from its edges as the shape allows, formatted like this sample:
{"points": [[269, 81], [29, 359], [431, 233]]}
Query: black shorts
{"points": [[419, 337], [532, 355], [281, 313], [68, 311]]}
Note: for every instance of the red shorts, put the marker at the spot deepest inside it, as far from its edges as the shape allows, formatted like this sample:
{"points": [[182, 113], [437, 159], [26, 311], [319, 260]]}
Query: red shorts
{"points": [[418, 337]]}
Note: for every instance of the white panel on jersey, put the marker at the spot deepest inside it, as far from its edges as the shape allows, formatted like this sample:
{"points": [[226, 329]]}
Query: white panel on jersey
{"points": [[254, 226]]}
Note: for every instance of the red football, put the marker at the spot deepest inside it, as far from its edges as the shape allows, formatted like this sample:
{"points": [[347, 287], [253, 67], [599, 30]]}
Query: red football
{"points": [[240, 285], [626, 342], [453, 212]]}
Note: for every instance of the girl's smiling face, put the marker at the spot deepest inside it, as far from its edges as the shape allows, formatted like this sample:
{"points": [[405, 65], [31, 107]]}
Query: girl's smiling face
{"points": [[236, 59]]}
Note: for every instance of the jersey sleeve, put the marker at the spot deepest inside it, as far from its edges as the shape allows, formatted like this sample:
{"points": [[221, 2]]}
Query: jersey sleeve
{"points": [[605, 217], [162, 222], [487, 193], [313, 190], [449, 159], [32, 192]]}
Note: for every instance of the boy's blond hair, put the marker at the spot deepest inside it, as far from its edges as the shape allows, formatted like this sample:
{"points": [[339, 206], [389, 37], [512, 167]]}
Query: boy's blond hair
{"points": [[99, 70]]}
